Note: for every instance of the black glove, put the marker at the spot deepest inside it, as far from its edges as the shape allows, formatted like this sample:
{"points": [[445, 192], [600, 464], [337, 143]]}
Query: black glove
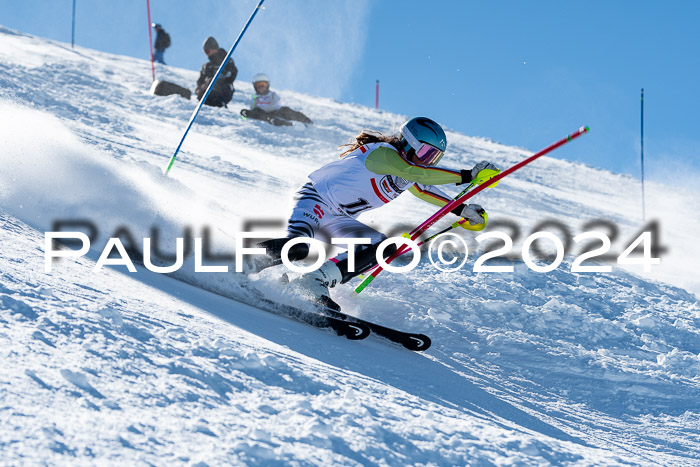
{"points": [[469, 175]]}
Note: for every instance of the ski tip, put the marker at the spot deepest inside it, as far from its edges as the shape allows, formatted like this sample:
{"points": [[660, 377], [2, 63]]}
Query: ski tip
{"points": [[357, 331], [586, 129], [349, 329], [418, 342]]}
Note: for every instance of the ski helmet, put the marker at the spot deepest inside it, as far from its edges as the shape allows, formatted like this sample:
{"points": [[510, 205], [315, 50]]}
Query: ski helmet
{"points": [[261, 77], [424, 138]]}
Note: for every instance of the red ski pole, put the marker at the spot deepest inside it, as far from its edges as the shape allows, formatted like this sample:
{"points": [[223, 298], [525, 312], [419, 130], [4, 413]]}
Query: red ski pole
{"points": [[461, 199], [150, 38]]}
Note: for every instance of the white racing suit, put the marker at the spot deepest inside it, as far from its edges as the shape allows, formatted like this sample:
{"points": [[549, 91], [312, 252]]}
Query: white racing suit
{"points": [[337, 193]]}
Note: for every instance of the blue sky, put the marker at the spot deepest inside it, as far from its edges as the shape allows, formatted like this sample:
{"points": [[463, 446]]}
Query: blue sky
{"points": [[521, 73]]}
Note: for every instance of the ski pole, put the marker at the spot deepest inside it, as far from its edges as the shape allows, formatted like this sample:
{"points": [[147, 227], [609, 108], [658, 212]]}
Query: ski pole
{"points": [[432, 237], [462, 197], [447, 229], [211, 85]]}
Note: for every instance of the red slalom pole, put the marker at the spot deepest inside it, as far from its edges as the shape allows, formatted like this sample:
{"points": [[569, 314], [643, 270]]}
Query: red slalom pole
{"points": [[461, 199], [150, 38], [376, 97]]}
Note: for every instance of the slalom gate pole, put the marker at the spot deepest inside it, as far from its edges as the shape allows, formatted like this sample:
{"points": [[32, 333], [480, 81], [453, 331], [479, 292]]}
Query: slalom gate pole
{"points": [[644, 215], [461, 198], [432, 237], [150, 38], [211, 85], [72, 33], [376, 96]]}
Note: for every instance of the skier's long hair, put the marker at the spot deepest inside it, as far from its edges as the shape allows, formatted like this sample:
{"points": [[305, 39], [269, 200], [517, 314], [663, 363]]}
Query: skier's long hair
{"points": [[367, 137]]}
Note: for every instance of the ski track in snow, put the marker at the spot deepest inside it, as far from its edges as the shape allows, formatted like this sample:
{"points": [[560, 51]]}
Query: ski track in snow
{"points": [[109, 366]]}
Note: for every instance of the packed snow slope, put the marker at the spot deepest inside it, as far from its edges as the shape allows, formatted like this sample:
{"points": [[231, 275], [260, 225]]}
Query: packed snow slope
{"points": [[115, 367]]}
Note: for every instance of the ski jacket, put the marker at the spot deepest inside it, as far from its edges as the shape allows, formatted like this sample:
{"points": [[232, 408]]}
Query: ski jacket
{"points": [[162, 40], [375, 174], [209, 69], [269, 102]]}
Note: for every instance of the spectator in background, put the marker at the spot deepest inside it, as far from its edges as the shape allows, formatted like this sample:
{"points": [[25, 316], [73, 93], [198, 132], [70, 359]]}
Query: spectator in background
{"points": [[266, 105], [222, 92], [162, 43]]}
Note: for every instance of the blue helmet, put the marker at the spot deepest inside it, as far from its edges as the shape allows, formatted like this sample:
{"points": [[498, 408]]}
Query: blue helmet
{"points": [[424, 138]]}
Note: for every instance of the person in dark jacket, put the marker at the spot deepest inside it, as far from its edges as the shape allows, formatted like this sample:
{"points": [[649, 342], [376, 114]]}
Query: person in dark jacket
{"points": [[222, 92], [162, 43]]}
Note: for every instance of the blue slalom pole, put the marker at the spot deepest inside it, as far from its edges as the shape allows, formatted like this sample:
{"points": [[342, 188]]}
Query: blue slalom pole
{"points": [[211, 85], [72, 35], [644, 216]]}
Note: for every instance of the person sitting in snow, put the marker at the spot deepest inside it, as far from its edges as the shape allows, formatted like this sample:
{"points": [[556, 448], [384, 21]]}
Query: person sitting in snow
{"points": [[266, 105], [374, 170], [223, 90]]}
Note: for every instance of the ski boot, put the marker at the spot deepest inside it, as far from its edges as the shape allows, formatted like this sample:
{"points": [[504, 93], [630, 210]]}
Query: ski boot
{"points": [[317, 283], [253, 264]]}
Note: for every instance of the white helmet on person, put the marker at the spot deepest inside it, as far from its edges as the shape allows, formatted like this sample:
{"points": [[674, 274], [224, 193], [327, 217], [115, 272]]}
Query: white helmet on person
{"points": [[261, 77]]}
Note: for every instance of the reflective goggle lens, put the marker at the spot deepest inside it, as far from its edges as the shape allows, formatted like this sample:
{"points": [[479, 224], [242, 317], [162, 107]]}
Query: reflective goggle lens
{"points": [[429, 155]]}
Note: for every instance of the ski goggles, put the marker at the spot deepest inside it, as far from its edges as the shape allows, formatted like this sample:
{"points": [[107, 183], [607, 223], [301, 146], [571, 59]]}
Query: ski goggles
{"points": [[426, 153], [429, 155]]}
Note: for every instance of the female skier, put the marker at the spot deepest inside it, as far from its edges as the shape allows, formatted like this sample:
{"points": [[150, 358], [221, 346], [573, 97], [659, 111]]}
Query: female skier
{"points": [[373, 171]]}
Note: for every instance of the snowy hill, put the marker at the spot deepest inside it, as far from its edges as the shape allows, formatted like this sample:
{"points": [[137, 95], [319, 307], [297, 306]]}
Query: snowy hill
{"points": [[116, 367]]}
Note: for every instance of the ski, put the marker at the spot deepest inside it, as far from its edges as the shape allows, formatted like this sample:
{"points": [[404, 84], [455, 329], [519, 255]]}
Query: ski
{"points": [[344, 325], [412, 341], [352, 330], [323, 317]]}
